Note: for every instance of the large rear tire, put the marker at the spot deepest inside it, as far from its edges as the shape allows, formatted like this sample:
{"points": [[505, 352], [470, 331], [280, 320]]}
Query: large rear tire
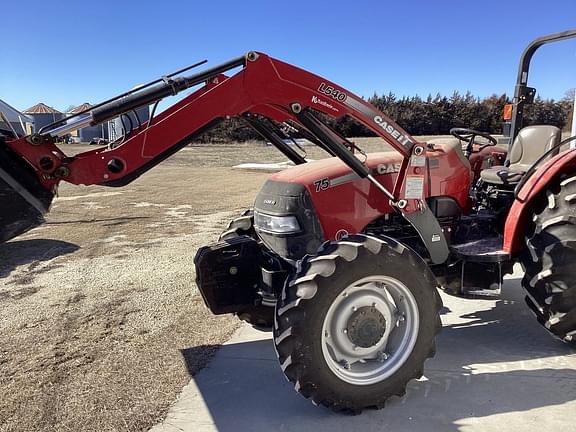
{"points": [[356, 323], [259, 316], [550, 264]]}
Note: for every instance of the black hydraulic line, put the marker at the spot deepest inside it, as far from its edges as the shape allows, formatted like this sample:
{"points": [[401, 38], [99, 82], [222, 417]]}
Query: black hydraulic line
{"points": [[178, 72], [169, 87], [310, 137], [137, 118], [521, 90], [302, 149], [287, 132], [351, 146], [154, 107], [314, 140], [271, 135], [332, 141], [126, 131]]}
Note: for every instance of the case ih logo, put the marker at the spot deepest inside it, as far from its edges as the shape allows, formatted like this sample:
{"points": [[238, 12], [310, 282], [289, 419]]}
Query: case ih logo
{"points": [[390, 129], [332, 92], [388, 168]]}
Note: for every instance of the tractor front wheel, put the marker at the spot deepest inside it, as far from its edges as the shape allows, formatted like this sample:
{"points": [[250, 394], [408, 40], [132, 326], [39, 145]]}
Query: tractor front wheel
{"points": [[550, 271], [356, 323]]}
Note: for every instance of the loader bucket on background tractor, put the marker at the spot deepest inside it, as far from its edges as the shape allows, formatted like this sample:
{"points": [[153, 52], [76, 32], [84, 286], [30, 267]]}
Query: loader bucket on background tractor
{"points": [[23, 200]]}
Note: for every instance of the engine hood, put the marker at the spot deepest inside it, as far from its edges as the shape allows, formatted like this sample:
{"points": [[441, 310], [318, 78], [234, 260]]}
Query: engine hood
{"points": [[308, 173], [329, 197]]}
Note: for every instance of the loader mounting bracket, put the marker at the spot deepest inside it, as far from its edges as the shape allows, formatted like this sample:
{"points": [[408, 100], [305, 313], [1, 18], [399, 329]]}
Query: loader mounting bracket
{"points": [[431, 233]]}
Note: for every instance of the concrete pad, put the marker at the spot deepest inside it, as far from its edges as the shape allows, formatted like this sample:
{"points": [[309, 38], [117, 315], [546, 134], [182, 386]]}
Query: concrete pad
{"points": [[496, 368]]}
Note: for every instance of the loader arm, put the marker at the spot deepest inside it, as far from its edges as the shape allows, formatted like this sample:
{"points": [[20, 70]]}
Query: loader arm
{"points": [[263, 87]]}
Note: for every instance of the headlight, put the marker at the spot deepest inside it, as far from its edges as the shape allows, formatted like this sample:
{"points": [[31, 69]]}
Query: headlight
{"points": [[276, 224]]}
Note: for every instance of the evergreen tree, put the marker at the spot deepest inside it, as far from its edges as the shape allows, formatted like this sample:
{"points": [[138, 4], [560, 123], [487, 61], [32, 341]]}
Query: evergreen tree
{"points": [[430, 116]]}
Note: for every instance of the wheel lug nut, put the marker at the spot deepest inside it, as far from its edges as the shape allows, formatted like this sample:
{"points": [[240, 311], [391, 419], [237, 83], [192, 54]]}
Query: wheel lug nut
{"points": [[382, 356], [400, 320], [345, 331], [354, 308]]}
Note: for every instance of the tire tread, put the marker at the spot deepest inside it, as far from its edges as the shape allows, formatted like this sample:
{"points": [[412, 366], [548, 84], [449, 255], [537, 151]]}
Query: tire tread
{"points": [[551, 240], [289, 316]]}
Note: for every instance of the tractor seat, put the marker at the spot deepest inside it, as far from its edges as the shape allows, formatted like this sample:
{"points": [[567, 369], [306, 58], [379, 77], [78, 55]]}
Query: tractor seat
{"points": [[503, 175], [530, 143]]}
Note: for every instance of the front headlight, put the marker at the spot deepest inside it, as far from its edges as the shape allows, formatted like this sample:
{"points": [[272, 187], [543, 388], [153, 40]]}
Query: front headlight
{"points": [[276, 224]]}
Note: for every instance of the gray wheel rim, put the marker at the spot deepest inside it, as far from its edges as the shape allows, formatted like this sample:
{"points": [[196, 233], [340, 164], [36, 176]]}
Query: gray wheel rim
{"points": [[386, 297]]}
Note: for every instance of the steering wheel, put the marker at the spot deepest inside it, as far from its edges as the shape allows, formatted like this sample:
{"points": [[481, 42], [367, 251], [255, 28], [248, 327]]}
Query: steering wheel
{"points": [[469, 135]]}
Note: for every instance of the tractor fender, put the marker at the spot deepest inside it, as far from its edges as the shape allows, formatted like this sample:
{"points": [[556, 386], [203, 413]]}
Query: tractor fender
{"points": [[519, 216]]}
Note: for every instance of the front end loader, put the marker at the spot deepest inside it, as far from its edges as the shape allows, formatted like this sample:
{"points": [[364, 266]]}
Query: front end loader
{"points": [[23, 199], [343, 257]]}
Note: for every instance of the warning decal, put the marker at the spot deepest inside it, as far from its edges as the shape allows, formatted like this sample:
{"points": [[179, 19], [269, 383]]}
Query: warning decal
{"points": [[418, 161], [414, 187]]}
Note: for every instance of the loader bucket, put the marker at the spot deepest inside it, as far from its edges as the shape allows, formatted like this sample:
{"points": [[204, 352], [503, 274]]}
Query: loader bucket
{"points": [[23, 199]]}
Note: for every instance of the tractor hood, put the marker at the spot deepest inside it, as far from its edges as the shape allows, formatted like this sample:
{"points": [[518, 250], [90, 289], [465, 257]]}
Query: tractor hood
{"points": [[328, 200], [308, 173]]}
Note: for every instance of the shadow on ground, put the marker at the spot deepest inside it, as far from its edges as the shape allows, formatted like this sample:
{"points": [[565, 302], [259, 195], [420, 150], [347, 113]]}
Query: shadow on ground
{"points": [[21, 252], [494, 368], [196, 358]]}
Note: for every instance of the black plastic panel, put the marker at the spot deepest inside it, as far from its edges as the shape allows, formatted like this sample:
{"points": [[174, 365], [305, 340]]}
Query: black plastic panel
{"points": [[444, 206], [283, 199], [229, 274]]}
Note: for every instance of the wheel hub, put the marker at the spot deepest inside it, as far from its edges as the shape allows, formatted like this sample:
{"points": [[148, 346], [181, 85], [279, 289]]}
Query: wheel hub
{"points": [[370, 329], [366, 327]]}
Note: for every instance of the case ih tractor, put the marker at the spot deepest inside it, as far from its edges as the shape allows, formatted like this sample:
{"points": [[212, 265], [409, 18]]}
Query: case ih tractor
{"points": [[344, 256]]}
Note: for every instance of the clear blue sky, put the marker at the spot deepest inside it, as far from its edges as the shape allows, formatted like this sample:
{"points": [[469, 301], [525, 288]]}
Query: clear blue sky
{"points": [[68, 52]]}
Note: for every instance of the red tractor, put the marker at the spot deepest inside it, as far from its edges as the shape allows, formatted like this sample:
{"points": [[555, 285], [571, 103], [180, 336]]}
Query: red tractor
{"points": [[344, 256]]}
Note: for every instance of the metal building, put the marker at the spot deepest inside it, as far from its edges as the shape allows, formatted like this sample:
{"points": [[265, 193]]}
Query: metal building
{"points": [[43, 115], [118, 125], [88, 133], [19, 122], [112, 129]]}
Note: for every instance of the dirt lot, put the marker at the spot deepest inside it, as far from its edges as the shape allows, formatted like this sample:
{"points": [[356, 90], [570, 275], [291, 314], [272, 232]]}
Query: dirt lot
{"points": [[101, 323]]}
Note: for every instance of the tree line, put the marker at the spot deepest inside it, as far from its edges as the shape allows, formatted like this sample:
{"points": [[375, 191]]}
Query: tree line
{"points": [[427, 116]]}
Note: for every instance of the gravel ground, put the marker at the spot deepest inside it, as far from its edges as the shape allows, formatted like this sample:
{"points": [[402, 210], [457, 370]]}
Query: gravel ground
{"points": [[101, 323]]}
